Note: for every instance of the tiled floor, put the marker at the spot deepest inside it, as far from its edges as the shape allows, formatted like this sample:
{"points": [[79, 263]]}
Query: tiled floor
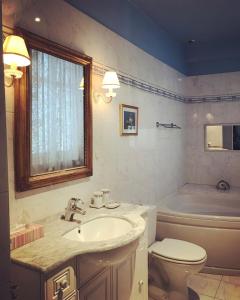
{"points": [[215, 287]]}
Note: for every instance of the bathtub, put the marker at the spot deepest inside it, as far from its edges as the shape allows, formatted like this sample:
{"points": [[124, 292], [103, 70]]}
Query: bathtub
{"points": [[200, 214]]}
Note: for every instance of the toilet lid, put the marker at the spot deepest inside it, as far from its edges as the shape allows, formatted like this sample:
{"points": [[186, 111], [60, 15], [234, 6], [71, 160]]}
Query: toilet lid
{"points": [[178, 250]]}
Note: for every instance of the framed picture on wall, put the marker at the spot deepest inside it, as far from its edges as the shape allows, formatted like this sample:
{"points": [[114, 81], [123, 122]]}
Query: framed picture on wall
{"points": [[128, 119]]}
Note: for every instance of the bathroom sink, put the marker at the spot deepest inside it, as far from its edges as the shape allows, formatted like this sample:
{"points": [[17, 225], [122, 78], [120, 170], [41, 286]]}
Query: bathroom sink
{"points": [[100, 229], [108, 240]]}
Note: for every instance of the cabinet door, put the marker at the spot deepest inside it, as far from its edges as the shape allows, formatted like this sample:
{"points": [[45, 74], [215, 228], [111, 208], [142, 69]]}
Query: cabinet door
{"points": [[123, 279], [97, 288], [140, 281], [28, 283], [140, 285], [86, 270]]}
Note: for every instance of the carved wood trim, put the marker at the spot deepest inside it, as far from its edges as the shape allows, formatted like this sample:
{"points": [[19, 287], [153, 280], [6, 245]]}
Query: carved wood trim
{"points": [[23, 178]]}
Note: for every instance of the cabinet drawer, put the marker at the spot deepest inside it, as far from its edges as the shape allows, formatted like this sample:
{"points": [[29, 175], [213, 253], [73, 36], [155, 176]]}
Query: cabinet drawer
{"points": [[61, 284]]}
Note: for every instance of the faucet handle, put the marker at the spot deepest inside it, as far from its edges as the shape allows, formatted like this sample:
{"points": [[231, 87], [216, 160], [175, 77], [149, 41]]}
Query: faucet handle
{"points": [[75, 201], [80, 208], [80, 200]]}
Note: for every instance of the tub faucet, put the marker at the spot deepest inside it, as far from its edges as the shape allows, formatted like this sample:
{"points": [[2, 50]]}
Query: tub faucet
{"points": [[72, 208], [223, 185]]}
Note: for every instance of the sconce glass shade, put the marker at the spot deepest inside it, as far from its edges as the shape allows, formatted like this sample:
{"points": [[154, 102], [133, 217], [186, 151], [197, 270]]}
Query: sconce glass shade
{"points": [[15, 51], [110, 80]]}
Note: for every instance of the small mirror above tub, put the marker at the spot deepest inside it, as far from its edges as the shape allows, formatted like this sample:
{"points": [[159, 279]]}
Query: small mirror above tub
{"points": [[222, 137], [53, 124]]}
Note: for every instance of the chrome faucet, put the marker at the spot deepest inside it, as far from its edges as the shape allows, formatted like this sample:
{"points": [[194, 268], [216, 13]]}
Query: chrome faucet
{"points": [[72, 208], [223, 185]]}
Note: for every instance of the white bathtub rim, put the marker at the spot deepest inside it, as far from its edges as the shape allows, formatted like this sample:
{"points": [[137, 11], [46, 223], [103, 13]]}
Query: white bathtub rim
{"points": [[167, 212]]}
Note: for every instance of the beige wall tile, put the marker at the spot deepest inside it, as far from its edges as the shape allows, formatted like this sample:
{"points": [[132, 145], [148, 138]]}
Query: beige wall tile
{"points": [[200, 162], [132, 167]]}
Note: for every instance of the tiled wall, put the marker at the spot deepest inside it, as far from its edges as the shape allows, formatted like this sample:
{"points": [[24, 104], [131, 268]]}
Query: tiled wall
{"points": [[137, 169], [208, 167], [216, 84]]}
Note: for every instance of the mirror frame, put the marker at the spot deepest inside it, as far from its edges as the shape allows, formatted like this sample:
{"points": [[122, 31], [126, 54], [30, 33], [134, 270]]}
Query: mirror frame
{"points": [[206, 149], [23, 178]]}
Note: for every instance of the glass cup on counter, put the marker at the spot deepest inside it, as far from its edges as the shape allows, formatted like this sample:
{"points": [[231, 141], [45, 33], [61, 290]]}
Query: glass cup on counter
{"points": [[106, 196], [97, 200]]}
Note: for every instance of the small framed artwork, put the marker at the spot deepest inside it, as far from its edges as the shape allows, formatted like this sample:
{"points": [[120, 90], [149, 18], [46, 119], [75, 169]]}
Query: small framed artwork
{"points": [[128, 119]]}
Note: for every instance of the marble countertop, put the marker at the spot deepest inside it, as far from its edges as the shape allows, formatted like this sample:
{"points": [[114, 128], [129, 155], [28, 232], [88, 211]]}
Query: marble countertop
{"points": [[53, 249]]}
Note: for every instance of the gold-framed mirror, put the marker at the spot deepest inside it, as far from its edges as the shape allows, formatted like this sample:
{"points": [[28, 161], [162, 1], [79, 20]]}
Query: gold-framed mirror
{"points": [[53, 123]]}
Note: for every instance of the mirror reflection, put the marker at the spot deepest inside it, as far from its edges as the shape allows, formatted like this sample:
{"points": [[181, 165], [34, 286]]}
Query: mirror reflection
{"points": [[222, 137], [57, 113]]}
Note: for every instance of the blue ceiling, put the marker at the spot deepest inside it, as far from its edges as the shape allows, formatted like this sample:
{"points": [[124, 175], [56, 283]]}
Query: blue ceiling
{"points": [[202, 20], [163, 28]]}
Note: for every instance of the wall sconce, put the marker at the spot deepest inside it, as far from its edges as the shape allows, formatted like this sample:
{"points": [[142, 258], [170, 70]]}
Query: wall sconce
{"points": [[15, 54], [110, 82]]}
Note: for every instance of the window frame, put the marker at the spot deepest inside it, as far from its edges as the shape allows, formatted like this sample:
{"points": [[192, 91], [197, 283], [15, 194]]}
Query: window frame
{"points": [[23, 178]]}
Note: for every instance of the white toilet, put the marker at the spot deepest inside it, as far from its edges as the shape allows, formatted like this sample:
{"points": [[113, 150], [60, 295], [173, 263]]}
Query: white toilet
{"points": [[177, 259]]}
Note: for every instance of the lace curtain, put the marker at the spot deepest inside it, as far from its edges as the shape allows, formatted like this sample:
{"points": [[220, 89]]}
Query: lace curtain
{"points": [[57, 137]]}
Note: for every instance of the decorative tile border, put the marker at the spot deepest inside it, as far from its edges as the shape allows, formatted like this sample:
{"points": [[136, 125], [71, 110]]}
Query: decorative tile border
{"points": [[213, 98], [144, 86], [131, 81]]}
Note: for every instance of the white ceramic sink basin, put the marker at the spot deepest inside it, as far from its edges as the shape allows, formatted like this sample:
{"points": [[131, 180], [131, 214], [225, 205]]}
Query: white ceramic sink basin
{"points": [[100, 229], [108, 240]]}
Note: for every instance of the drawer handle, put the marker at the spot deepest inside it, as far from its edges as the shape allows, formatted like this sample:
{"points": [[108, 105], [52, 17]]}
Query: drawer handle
{"points": [[63, 284]]}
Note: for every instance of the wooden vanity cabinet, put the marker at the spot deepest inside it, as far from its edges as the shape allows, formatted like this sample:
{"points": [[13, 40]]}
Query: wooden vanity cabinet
{"points": [[109, 283], [98, 287], [140, 279], [27, 283], [59, 284], [79, 279], [75, 280], [94, 281], [125, 281]]}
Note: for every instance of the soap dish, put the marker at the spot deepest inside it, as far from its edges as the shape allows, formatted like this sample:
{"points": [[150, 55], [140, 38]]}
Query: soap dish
{"points": [[112, 205]]}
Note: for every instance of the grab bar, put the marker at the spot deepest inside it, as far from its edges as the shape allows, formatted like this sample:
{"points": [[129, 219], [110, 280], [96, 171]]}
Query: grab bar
{"points": [[166, 125]]}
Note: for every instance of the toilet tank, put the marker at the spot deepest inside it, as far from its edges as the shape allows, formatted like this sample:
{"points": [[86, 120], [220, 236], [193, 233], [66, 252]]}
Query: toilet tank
{"points": [[151, 223]]}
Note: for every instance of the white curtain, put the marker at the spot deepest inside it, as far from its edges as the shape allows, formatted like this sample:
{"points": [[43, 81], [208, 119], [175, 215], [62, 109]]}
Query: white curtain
{"points": [[57, 137]]}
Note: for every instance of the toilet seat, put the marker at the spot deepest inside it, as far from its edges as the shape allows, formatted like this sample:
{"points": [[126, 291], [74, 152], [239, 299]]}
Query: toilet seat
{"points": [[178, 251]]}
